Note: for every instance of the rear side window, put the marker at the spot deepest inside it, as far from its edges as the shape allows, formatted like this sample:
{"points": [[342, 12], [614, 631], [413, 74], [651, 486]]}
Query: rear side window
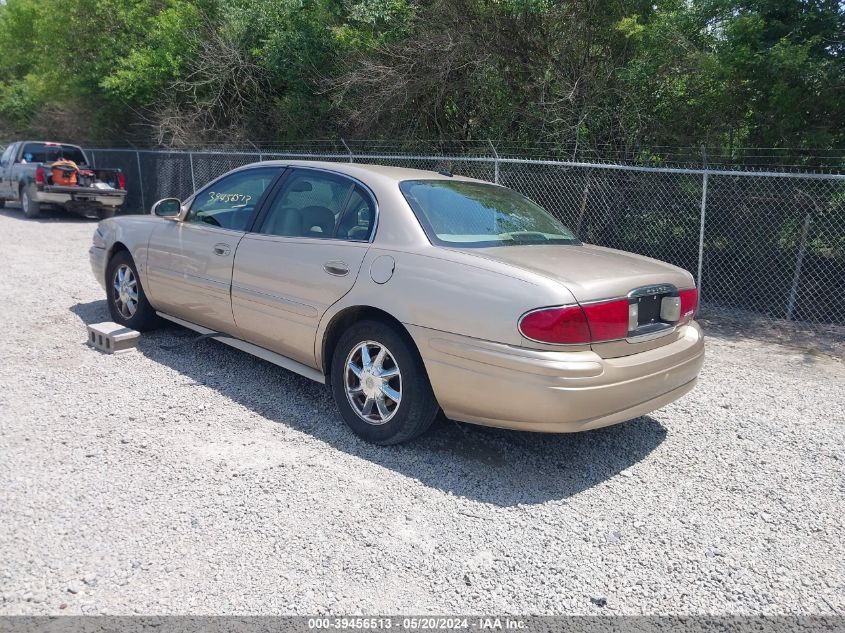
{"points": [[358, 218], [320, 205], [50, 153]]}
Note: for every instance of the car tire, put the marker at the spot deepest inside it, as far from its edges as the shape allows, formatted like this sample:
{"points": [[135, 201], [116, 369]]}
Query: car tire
{"points": [[31, 208], [401, 374], [128, 304], [105, 214]]}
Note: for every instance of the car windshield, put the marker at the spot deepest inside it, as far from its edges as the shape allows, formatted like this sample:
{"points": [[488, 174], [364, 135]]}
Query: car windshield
{"points": [[51, 152], [476, 214]]}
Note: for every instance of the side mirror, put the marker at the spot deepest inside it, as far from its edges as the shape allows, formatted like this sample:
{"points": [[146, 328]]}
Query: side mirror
{"points": [[167, 208]]}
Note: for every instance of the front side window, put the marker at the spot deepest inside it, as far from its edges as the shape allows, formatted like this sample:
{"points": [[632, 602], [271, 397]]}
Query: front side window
{"points": [[320, 205], [230, 202], [476, 214]]}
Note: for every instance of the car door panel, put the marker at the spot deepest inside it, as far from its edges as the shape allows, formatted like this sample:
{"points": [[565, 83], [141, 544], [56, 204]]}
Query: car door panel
{"points": [[281, 289], [300, 259], [187, 275], [189, 262]]}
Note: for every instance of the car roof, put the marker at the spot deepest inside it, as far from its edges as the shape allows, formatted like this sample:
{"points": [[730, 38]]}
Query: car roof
{"points": [[364, 171]]}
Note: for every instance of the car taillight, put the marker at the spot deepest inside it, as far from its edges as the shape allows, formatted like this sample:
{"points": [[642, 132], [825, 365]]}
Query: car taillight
{"points": [[121, 180], [597, 322], [39, 175], [594, 322], [608, 320], [689, 303], [567, 324]]}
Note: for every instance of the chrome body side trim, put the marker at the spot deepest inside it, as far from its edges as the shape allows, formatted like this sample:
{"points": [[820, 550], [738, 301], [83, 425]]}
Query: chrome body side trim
{"points": [[658, 289], [255, 350], [654, 334]]}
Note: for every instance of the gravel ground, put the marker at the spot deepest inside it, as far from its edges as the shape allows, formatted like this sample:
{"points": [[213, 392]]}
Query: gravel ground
{"points": [[203, 481]]}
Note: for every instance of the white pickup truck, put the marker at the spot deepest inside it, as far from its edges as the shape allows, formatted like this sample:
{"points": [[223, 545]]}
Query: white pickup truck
{"points": [[37, 173]]}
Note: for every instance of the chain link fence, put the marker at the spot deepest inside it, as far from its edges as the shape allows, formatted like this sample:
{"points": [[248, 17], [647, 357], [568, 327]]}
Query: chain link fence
{"points": [[768, 245]]}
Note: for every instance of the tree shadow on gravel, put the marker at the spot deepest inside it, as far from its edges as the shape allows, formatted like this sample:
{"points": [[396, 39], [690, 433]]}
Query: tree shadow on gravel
{"points": [[812, 340], [505, 468]]}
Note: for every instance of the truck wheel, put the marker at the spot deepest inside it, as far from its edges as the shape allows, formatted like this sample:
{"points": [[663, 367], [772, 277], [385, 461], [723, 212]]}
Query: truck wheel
{"points": [[127, 300], [380, 384], [31, 208], [2, 203], [105, 214]]}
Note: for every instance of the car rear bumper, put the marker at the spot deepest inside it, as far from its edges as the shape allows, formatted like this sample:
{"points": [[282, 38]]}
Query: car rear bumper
{"points": [[97, 257], [560, 392], [80, 196]]}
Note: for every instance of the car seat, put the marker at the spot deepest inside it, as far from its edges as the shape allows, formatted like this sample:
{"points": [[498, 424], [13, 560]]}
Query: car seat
{"points": [[316, 221]]}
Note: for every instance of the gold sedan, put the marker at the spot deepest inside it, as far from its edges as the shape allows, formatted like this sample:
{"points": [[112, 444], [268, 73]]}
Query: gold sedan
{"points": [[409, 292]]}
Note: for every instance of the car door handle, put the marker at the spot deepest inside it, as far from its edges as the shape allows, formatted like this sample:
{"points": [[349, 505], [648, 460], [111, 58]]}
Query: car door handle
{"points": [[338, 269], [222, 249]]}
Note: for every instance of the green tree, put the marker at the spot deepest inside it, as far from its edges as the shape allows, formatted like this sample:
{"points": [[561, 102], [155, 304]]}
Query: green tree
{"points": [[605, 76]]}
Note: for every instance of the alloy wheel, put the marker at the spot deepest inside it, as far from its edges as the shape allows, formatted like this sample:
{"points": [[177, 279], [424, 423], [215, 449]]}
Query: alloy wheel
{"points": [[125, 291], [373, 382]]}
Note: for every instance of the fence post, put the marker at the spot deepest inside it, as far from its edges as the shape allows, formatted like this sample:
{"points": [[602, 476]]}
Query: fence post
{"points": [[793, 291], [701, 231], [583, 209], [347, 149], [193, 178], [141, 181], [495, 162]]}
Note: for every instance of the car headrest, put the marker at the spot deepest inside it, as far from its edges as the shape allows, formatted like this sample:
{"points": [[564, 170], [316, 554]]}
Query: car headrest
{"points": [[317, 221]]}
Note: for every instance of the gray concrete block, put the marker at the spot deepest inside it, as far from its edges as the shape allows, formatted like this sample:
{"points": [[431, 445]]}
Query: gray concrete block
{"points": [[112, 338]]}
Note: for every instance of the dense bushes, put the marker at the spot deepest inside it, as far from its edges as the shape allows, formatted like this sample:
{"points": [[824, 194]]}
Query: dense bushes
{"points": [[623, 75]]}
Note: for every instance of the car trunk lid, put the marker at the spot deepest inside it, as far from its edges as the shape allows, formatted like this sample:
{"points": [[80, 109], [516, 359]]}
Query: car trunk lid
{"points": [[590, 273], [594, 273]]}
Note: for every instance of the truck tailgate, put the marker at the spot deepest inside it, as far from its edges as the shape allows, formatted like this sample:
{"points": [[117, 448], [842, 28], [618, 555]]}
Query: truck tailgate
{"points": [[84, 192]]}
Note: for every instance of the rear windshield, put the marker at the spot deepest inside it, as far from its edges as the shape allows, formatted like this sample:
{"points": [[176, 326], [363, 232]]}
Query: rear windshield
{"points": [[475, 214], [49, 153]]}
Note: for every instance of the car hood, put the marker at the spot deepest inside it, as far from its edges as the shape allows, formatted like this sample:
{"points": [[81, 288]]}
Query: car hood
{"points": [[589, 272]]}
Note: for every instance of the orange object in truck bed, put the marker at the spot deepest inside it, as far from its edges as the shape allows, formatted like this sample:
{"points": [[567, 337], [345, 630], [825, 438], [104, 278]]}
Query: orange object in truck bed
{"points": [[64, 173]]}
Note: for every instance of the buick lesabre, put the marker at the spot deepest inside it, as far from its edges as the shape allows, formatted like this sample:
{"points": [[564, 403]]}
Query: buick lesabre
{"points": [[410, 292]]}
